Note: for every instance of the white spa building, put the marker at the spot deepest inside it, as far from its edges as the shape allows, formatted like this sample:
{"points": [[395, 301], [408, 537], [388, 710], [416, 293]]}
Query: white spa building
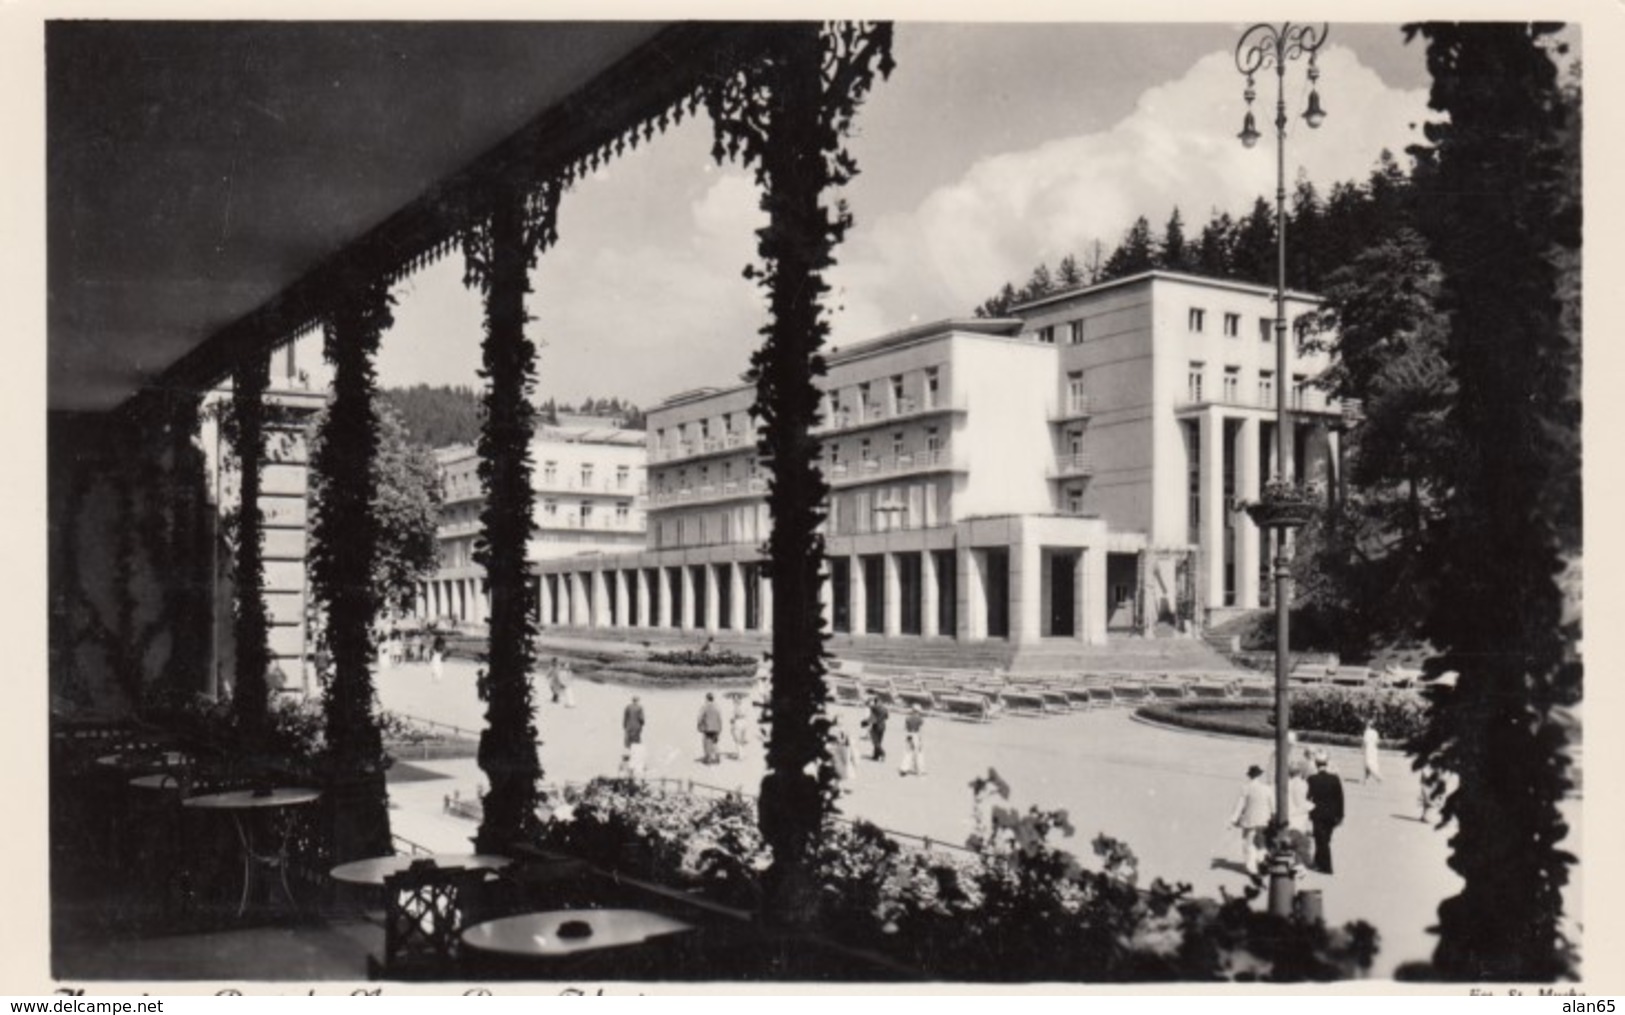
{"points": [[589, 485], [1066, 472]]}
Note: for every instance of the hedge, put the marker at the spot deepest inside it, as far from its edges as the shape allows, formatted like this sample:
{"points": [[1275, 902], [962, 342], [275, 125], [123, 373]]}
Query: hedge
{"points": [[1320, 715]]}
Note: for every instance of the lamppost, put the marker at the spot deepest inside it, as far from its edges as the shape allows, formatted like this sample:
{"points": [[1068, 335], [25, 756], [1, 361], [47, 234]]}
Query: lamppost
{"points": [[1263, 47]]}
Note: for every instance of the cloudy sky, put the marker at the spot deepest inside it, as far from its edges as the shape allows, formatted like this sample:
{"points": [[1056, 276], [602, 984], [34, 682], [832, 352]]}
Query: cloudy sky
{"points": [[990, 149]]}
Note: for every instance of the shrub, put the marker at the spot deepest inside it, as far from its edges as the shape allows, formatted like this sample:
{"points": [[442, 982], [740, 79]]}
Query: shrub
{"points": [[1398, 714], [706, 658], [1021, 909]]}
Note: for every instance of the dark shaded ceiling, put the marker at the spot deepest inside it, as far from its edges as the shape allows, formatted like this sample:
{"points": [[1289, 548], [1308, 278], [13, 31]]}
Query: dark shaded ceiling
{"points": [[195, 170]]}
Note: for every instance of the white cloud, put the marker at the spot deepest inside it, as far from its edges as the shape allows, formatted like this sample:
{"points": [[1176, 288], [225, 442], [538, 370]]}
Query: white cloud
{"points": [[1177, 147]]}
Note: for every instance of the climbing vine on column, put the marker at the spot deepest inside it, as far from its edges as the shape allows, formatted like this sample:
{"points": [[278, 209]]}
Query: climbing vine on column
{"points": [[344, 535], [499, 253], [248, 700], [787, 112]]}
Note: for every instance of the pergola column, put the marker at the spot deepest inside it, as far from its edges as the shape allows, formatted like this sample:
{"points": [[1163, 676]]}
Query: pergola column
{"points": [[520, 222], [345, 541], [252, 622]]}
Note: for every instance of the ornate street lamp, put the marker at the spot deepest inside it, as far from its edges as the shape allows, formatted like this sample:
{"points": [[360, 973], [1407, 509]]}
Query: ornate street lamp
{"points": [[1282, 507]]}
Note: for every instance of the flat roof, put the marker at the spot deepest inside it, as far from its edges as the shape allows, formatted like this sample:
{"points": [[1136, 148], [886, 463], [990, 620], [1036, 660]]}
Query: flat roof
{"points": [[1159, 274]]}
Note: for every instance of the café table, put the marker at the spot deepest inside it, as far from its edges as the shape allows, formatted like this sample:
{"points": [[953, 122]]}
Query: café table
{"points": [[373, 870], [561, 933], [243, 805]]}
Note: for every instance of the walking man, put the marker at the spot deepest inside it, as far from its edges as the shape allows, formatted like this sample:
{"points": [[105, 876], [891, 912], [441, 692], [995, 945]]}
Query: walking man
{"points": [[632, 727], [914, 738], [877, 726], [1252, 814], [710, 727], [1326, 794]]}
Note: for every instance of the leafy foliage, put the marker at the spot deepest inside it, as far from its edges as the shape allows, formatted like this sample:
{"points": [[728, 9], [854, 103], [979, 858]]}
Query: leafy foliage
{"points": [[702, 658], [787, 111], [252, 623], [404, 504], [499, 254], [1499, 205], [345, 576], [1398, 715], [1019, 909]]}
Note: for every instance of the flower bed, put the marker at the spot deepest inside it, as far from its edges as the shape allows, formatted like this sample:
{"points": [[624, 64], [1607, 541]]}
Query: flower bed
{"points": [[1320, 715], [1020, 909]]}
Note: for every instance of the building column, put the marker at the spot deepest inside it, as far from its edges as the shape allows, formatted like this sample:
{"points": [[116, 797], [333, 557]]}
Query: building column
{"points": [[617, 579], [663, 617], [859, 595], [640, 578], [826, 599], [736, 596], [713, 600], [971, 614], [1211, 523], [928, 594], [892, 621], [1026, 590], [764, 599], [598, 588], [685, 581], [544, 602], [1092, 595], [1247, 489]]}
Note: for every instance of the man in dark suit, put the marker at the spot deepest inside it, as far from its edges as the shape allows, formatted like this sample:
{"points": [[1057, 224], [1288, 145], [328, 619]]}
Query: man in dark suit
{"points": [[1326, 796]]}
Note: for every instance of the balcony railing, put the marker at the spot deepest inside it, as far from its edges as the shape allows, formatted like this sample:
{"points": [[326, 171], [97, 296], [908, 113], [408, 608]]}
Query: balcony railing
{"points": [[1080, 464], [732, 441], [1071, 407], [733, 489], [875, 413], [1312, 400], [852, 473]]}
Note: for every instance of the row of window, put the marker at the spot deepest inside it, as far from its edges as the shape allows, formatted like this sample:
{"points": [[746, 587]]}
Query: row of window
{"points": [[1230, 394], [741, 523], [867, 448], [623, 475], [1196, 321], [1050, 333], [584, 512]]}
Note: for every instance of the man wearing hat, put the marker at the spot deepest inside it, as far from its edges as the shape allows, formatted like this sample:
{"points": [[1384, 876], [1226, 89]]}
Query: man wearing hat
{"points": [[1254, 809], [1326, 796]]}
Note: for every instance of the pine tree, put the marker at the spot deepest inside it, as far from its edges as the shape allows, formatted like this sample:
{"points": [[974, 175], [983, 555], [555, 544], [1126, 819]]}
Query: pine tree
{"points": [[1137, 253], [1176, 255], [1254, 255], [1213, 250], [1067, 274]]}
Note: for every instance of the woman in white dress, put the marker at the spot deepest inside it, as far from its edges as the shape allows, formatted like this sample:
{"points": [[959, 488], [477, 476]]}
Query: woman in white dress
{"points": [[1373, 763]]}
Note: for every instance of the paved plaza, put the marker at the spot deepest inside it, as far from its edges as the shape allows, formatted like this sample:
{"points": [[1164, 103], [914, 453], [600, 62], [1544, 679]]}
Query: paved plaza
{"points": [[1166, 793]]}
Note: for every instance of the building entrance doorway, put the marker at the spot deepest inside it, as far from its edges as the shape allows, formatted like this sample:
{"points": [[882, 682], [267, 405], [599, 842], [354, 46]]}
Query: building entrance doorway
{"points": [[1063, 595], [1122, 580]]}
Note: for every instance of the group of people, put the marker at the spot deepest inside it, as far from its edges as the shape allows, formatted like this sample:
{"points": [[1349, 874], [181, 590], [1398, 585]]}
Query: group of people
{"points": [[844, 756], [1314, 810], [395, 648]]}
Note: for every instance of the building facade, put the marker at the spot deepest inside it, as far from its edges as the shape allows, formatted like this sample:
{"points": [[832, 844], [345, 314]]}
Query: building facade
{"points": [[590, 486], [1072, 469]]}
